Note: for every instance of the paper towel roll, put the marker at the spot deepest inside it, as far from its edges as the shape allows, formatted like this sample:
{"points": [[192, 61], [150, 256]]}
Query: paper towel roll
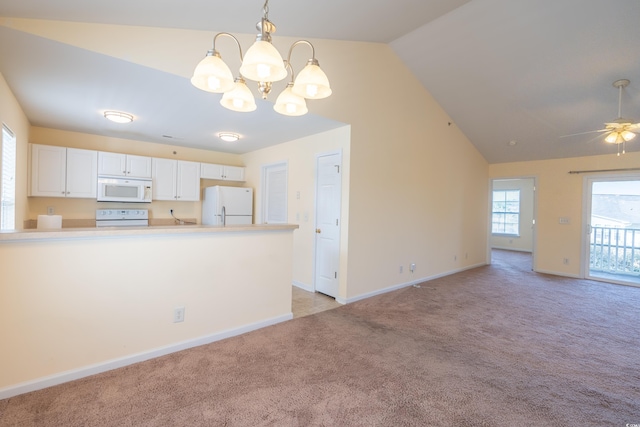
{"points": [[47, 222]]}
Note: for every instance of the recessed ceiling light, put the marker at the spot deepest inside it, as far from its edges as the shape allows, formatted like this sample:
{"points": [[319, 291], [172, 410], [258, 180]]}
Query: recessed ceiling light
{"points": [[118, 116], [512, 143], [228, 136]]}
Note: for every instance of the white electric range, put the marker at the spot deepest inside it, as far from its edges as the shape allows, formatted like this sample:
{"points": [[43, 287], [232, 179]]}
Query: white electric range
{"points": [[122, 217]]}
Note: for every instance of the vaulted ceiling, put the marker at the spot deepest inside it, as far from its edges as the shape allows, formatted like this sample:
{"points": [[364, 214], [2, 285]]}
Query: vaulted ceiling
{"points": [[525, 71]]}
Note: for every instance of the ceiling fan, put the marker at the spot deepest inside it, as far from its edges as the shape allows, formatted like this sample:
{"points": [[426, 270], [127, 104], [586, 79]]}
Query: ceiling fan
{"points": [[620, 130]]}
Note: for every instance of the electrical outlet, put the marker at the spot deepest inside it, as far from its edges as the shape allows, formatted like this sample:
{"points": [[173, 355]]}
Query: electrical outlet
{"points": [[401, 269], [171, 211], [178, 315], [50, 210], [565, 261], [412, 268]]}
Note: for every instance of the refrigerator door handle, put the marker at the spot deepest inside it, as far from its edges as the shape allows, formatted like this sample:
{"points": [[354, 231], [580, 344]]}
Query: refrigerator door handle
{"points": [[224, 216]]}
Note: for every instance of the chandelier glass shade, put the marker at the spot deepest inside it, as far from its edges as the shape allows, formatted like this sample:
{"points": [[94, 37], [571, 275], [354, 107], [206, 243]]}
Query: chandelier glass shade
{"points": [[239, 98], [290, 104], [263, 64], [212, 74], [312, 82]]}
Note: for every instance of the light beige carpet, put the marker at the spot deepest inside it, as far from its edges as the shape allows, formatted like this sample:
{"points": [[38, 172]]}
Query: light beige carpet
{"points": [[493, 346]]}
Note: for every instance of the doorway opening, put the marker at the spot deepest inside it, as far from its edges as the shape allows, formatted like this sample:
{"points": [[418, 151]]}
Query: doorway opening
{"points": [[513, 216], [612, 246]]}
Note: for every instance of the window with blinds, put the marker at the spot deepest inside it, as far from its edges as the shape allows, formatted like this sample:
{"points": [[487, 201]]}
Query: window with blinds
{"points": [[506, 212], [8, 190]]}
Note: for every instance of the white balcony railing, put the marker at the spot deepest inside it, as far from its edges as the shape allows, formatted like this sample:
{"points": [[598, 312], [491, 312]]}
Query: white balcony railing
{"points": [[615, 251]]}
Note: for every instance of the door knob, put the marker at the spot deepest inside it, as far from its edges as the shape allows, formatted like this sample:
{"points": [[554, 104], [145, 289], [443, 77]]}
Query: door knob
{"points": [[318, 231]]}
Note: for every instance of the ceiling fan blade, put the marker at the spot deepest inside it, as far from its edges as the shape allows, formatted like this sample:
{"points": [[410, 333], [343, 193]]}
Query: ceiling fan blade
{"points": [[584, 133], [595, 138]]}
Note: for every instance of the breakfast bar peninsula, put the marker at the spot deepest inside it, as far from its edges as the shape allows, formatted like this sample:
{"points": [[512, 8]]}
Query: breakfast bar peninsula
{"points": [[75, 302]]}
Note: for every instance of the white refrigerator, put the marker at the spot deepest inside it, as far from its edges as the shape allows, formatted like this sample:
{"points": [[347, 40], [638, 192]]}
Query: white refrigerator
{"points": [[227, 205]]}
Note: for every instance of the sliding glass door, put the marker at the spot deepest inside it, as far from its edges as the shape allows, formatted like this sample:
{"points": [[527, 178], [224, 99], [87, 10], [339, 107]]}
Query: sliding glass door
{"points": [[612, 245]]}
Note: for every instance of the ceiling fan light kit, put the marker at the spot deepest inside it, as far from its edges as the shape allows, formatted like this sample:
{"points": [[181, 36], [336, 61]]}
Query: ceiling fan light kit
{"points": [[620, 130], [263, 64]]}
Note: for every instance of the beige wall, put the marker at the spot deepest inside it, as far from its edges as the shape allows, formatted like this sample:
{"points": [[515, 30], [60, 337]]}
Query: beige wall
{"points": [[11, 115], [418, 188], [300, 156], [524, 241], [560, 195]]}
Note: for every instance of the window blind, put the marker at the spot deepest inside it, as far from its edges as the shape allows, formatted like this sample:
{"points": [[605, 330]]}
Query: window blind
{"points": [[8, 189]]}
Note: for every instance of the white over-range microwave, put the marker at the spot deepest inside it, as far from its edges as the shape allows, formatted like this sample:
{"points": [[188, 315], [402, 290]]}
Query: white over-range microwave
{"points": [[124, 190]]}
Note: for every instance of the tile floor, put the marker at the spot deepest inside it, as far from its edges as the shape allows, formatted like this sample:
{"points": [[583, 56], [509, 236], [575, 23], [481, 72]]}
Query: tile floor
{"points": [[306, 303]]}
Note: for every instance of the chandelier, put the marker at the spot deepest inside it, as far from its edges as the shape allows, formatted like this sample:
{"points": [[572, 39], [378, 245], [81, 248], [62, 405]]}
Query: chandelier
{"points": [[263, 64]]}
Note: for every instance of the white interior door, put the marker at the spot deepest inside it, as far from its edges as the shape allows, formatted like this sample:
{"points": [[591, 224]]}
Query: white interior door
{"points": [[328, 195], [274, 197]]}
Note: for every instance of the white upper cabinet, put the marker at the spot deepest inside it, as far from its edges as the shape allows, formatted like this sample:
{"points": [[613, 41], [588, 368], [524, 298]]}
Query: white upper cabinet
{"points": [[222, 172], [233, 173], [82, 173], [138, 166], [117, 164], [63, 172], [211, 171], [188, 187], [48, 171], [176, 180], [165, 172]]}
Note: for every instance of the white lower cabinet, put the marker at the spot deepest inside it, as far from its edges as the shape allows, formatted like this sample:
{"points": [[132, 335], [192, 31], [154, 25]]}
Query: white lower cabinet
{"points": [[176, 180], [63, 172]]}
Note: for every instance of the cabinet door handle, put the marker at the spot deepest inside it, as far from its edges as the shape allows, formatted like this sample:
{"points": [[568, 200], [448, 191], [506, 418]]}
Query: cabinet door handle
{"points": [[318, 231]]}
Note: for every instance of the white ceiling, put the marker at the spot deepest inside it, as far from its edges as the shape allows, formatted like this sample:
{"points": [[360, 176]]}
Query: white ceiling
{"points": [[504, 70]]}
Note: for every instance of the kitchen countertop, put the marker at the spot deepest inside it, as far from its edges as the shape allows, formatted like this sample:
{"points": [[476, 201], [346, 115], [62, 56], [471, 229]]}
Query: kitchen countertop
{"points": [[72, 233]]}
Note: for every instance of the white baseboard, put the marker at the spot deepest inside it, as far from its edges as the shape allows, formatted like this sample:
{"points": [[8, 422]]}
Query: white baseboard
{"points": [[556, 273], [109, 365], [303, 286], [511, 248], [404, 285]]}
